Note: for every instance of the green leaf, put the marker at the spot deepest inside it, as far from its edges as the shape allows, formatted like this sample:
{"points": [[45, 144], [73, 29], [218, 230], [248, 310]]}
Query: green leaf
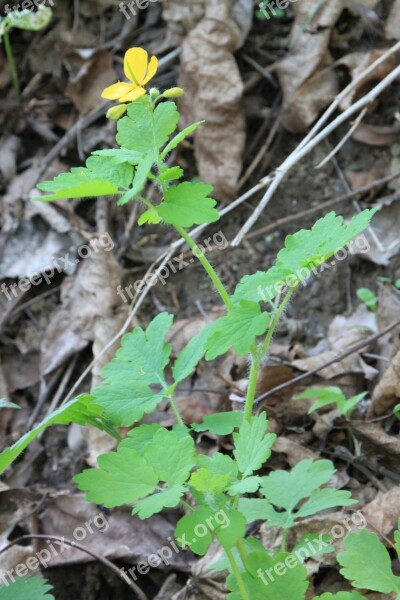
{"points": [[122, 478], [190, 356], [369, 298], [397, 539], [118, 156], [171, 174], [218, 463], [136, 472], [232, 531], [149, 216], [135, 132], [303, 252], [323, 499], [139, 437], [286, 489], [208, 487], [24, 588], [259, 509], [180, 137], [99, 177], [5, 404], [192, 530], [82, 410], [139, 363], [139, 181], [311, 545], [331, 395], [252, 444], [341, 596], [238, 329], [277, 577], [168, 498], [245, 486], [220, 423], [188, 204], [367, 564]]}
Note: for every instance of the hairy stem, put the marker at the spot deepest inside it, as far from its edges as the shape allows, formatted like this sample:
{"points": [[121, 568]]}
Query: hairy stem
{"points": [[251, 388], [237, 574], [198, 253], [11, 62], [176, 411]]}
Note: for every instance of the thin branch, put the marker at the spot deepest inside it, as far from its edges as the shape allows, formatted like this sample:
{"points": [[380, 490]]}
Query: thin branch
{"points": [[105, 561], [310, 142], [334, 360]]}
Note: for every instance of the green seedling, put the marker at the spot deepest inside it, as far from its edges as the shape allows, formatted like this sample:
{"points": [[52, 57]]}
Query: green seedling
{"points": [[325, 396], [369, 298], [21, 19], [154, 467]]}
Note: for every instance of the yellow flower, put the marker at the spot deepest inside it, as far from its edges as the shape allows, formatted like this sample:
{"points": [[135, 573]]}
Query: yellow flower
{"points": [[139, 71]]}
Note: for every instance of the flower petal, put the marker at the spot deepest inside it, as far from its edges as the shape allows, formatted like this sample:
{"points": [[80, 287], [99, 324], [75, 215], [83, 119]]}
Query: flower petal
{"points": [[134, 94], [152, 70], [135, 65], [115, 91]]}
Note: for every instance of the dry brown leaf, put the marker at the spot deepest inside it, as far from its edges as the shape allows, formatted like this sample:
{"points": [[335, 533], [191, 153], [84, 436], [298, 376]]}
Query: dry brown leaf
{"points": [[183, 15], [392, 29], [294, 451], [374, 434], [122, 538], [214, 89], [383, 512], [88, 296], [91, 75], [377, 135], [357, 63], [205, 583], [308, 82], [385, 226], [387, 393]]}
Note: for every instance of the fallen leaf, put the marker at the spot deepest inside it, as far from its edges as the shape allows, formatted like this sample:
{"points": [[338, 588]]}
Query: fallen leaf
{"points": [[387, 393], [91, 75], [90, 295], [377, 135], [214, 89]]}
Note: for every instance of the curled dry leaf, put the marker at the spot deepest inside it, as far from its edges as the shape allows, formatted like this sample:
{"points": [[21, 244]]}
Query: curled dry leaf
{"points": [[214, 88], [386, 229], [377, 135], [85, 298], [308, 82], [387, 392], [357, 63]]}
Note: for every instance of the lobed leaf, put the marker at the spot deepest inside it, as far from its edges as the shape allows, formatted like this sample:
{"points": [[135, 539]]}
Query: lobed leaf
{"points": [[24, 588], [188, 204], [253, 445]]}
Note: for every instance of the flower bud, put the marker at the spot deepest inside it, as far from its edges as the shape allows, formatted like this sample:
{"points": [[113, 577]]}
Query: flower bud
{"points": [[115, 112], [154, 93], [175, 92]]}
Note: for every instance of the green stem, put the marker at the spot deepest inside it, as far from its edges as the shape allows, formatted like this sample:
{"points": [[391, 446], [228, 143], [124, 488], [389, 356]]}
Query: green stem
{"points": [[176, 411], [275, 321], [284, 538], [237, 574], [11, 62], [241, 546], [251, 388], [198, 253]]}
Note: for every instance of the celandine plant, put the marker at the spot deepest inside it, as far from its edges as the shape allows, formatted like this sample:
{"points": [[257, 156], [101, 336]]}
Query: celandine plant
{"points": [[155, 467]]}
